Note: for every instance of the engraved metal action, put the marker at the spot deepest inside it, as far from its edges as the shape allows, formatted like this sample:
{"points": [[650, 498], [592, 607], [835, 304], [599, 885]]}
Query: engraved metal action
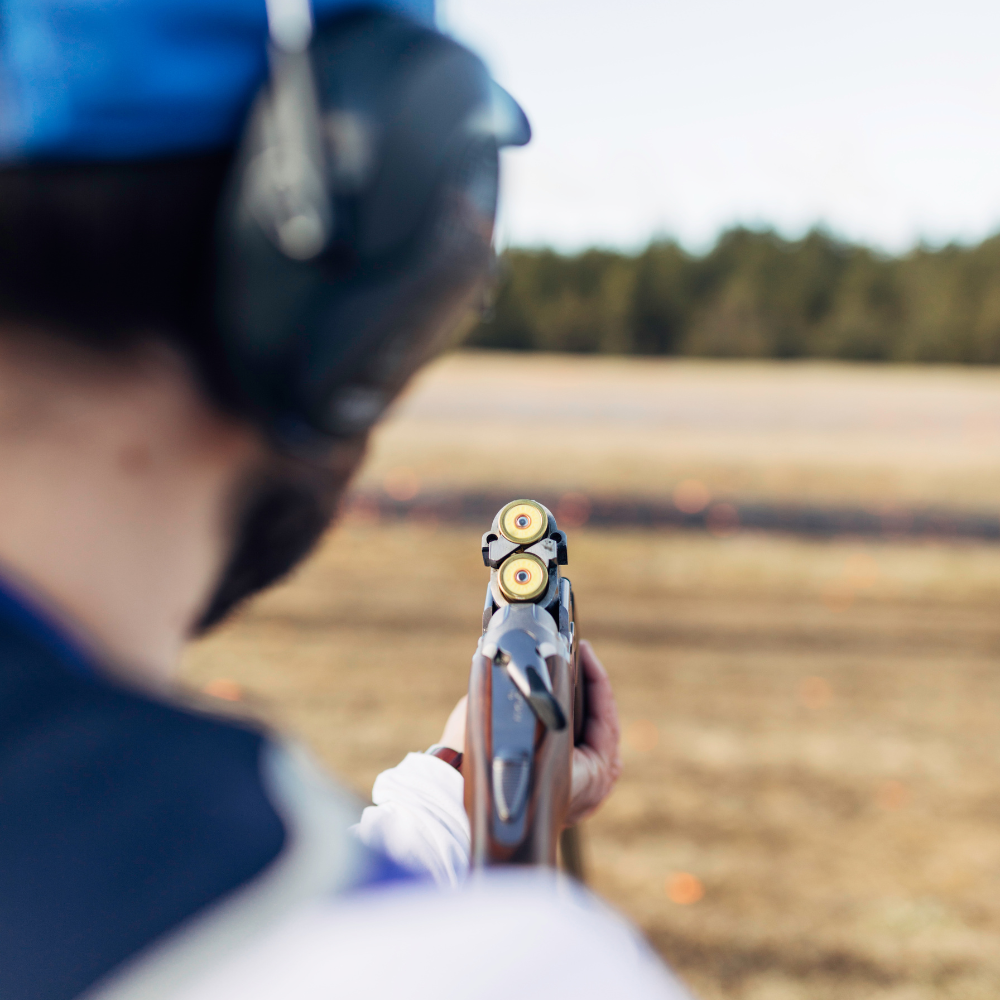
{"points": [[526, 696]]}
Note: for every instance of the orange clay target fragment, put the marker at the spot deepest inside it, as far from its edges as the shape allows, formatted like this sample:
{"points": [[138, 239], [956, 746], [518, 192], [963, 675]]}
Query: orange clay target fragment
{"points": [[523, 578], [523, 521]]}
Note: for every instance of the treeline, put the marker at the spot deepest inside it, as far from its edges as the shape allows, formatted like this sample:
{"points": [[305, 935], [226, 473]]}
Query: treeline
{"points": [[754, 295]]}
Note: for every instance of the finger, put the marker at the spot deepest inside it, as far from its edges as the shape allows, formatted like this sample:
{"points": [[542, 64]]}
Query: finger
{"points": [[602, 731], [585, 785], [453, 734], [592, 781], [596, 764], [592, 666]]}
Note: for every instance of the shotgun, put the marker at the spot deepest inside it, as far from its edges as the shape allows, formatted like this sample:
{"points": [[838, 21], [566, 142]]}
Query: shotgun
{"points": [[527, 699]]}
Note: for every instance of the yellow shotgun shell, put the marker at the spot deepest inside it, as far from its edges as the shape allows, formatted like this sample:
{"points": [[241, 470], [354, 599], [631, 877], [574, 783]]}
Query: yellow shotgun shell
{"points": [[523, 521], [523, 577]]}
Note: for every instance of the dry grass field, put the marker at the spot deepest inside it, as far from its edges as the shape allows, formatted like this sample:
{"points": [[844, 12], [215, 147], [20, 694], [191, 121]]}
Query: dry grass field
{"points": [[811, 799], [800, 431]]}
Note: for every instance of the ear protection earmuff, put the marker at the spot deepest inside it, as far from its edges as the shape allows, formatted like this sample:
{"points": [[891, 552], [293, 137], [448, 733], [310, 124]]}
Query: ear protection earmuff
{"points": [[357, 228]]}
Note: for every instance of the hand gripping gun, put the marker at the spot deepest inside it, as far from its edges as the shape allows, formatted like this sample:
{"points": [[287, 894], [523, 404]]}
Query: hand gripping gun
{"points": [[526, 696]]}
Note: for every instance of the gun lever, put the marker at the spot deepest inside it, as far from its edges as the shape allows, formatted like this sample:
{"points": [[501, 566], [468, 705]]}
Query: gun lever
{"points": [[528, 671]]}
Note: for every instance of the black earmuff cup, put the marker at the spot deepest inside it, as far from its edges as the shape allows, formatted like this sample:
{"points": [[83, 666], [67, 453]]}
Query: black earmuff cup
{"points": [[320, 346]]}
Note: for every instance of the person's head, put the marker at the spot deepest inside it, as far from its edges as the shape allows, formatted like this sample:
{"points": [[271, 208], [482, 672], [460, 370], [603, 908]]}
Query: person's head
{"points": [[118, 429], [251, 305]]}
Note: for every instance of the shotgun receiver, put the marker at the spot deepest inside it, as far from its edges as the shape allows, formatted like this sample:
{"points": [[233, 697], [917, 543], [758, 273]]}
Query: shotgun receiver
{"points": [[526, 696]]}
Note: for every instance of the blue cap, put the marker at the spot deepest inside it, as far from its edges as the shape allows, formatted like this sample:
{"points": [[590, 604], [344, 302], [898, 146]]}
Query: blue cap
{"points": [[135, 79]]}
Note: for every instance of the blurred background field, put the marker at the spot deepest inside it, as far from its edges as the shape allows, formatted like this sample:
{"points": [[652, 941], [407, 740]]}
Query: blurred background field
{"points": [[811, 798], [808, 431]]}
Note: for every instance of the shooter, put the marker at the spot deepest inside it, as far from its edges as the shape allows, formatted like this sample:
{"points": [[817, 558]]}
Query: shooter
{"points": [[229, 235]]}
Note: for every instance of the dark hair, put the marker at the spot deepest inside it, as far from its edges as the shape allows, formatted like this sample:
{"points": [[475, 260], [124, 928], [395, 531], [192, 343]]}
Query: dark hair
{"points": [[109, 253], [105, 255]]}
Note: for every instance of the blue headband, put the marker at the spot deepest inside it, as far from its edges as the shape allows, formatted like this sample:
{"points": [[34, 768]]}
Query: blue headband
{"points": [[131, 79]]}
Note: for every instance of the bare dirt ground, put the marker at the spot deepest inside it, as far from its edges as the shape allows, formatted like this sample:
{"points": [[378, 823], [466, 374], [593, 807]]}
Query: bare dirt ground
{"points": [[811, 799], [800, 431]]}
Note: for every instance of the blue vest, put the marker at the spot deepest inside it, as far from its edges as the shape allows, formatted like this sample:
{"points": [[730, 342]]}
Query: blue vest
{"points": [[136, 835]]}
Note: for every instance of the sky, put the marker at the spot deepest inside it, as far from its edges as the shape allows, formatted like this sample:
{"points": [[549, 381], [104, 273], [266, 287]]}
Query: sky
{"points": [[875, 118]]}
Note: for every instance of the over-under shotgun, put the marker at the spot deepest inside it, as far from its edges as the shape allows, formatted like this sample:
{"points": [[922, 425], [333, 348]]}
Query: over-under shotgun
{"points": [[526, 696]]}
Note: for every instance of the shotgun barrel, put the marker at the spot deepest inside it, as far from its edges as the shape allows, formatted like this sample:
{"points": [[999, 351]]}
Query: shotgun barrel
{"points": [[526, 696]]}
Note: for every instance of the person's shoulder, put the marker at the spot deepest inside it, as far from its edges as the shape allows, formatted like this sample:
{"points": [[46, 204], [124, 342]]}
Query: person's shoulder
{"points": [[138, 832], [525, 933], [122, 816]]}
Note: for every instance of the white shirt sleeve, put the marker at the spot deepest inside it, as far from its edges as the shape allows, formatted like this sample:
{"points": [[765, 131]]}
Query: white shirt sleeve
{"points": [[419, 818], [522, 934]]}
